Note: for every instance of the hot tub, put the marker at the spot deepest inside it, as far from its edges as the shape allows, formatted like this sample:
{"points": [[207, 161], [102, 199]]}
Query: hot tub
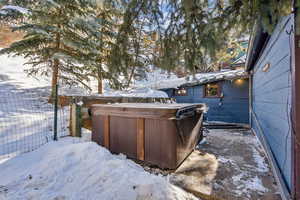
{"points": [[159, 134]]}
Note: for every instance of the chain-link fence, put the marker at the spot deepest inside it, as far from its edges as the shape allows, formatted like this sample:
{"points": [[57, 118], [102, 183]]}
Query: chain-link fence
{"points": [[27, 120]]}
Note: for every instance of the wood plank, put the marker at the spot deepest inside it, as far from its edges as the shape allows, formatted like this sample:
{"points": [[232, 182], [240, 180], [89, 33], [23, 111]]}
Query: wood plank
{"points": [[140, 138], [160, 147], [127, 114], [73, 121], [98, 130], [123, 136], [106, 131], [70, 120]]}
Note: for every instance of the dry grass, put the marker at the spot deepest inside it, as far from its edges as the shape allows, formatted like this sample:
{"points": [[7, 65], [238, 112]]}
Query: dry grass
{"points": [[7, 37]]}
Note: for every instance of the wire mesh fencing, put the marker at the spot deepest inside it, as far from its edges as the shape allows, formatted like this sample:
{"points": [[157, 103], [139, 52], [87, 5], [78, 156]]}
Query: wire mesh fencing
{"points": [[27, 120]]}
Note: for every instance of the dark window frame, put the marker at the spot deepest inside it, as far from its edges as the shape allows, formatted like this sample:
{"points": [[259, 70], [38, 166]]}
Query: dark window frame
{"points": [[175, 92], [219, 92]]}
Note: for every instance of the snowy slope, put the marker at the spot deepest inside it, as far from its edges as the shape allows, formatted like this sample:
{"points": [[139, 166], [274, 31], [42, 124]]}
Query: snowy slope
{"points": [[69, 170], [12, 72], [26, 118]]}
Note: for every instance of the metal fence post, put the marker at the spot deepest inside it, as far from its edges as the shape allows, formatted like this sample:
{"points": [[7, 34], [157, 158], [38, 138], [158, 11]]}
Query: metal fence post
{"points": [[55, 112]]}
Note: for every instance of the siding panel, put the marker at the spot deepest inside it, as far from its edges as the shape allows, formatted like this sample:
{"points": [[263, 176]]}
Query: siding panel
{"points": [[233, 108], [272, 97]]}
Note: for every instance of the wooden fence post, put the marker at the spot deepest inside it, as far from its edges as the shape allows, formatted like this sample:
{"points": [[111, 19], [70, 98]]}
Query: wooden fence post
{"points": [[75, 120]]}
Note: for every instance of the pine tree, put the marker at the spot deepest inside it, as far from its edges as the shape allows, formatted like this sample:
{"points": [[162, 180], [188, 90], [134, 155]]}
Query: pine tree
{"points": [[191, 32], [93, 43], [76, 40], [104, 53], [107, 17], [47, 44], [13, 11], [134, 48]]}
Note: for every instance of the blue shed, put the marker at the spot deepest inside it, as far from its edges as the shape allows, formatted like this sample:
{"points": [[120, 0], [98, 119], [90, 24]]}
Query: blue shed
{"points": [[274, 64], [226, 93]]}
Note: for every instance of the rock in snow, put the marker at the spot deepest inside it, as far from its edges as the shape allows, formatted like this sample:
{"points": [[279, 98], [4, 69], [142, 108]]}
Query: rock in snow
{"points": [[69, 169]]}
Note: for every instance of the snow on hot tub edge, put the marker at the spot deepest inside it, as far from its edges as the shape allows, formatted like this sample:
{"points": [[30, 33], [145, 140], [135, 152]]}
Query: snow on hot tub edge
{"points": [[81, 170], [137, 92]]}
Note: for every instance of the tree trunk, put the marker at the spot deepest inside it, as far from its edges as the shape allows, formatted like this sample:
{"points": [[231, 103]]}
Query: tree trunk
{"points": [[100, 78], [100, 86], [131, 76], [54, 76], [55, 67]]}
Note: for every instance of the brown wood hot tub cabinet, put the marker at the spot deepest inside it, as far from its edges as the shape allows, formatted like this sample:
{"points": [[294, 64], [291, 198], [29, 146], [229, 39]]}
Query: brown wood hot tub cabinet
{"points": [[159, 134]]}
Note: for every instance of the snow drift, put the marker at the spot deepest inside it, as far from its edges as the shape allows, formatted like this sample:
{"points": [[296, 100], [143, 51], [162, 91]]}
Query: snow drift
{"points": [[69, 170]]}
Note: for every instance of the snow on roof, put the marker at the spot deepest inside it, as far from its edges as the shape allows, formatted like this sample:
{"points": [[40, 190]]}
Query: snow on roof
{"points": [[197, 79], [15, 8], [240, 60]]}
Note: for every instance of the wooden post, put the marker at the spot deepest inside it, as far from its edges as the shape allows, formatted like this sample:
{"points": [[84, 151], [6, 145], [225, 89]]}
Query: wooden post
{"points": [[106, 131], [75, 120], [140, 140], [72, 120]]}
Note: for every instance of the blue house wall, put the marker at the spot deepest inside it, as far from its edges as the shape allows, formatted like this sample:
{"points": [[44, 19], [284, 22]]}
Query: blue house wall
{"points": [[232, 108], [271, 97]]}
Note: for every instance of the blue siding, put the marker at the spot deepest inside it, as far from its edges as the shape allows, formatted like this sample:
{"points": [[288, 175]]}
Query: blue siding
{"points": [[272, 98], [233, 108]]}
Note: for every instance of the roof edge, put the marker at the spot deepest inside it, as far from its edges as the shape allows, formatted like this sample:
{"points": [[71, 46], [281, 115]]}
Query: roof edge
{"points": [[257, 42]]}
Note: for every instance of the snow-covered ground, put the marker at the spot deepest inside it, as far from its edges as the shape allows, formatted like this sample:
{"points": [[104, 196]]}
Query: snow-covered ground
{"points": [[12, 73], [26, 118], [70, 169]]}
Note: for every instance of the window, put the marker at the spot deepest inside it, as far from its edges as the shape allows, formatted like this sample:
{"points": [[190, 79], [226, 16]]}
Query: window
{"points": [[180, 92], [212, 90]]}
